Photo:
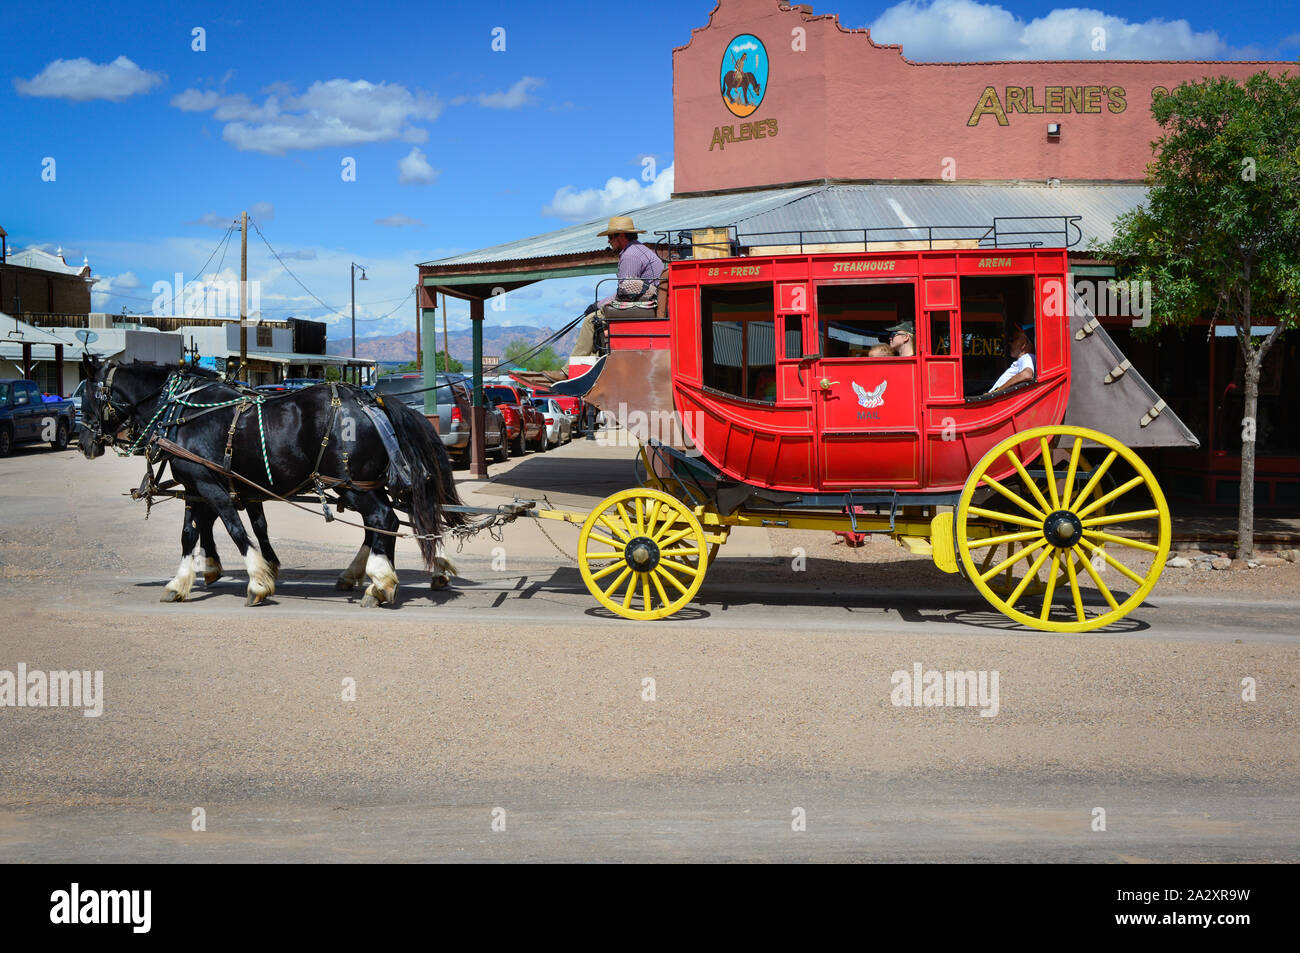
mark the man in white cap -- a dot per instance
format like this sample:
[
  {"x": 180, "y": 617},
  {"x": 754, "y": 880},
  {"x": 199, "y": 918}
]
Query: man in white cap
[{"x": 639, "y": 270}]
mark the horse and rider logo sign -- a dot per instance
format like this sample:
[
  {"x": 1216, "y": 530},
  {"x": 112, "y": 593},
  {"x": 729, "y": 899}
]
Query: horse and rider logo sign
[{"x": 743, "y": 78}]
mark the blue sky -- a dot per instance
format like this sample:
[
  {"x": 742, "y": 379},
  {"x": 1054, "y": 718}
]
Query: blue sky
[{"x": 156, "y": 146}]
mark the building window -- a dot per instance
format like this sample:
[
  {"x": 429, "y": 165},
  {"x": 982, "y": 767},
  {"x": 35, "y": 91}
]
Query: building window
[
  {"x": 263, "y": 336},
  {"x": 739, "y": 340}
]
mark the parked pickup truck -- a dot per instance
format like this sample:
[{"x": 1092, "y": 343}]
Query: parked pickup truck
[{"x": 27, "y": 417}]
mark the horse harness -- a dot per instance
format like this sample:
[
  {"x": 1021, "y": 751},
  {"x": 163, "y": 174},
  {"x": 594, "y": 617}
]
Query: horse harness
[{"x": 170, "y": 416}]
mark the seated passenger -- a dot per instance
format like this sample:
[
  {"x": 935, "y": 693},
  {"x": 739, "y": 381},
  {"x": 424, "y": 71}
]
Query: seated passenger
[
  {"x": 902, "y": 337},
  {"x": 1020, "y": 348},
  {"x": 880, "y": 350}
]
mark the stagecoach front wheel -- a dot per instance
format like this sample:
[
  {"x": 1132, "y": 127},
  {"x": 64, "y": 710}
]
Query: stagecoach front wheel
[
  {"x": 1080, "y": 555},
  {"x": 642, "y": 553}
]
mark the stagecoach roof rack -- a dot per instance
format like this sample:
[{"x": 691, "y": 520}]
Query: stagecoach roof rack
[{"x": 1005, "y": 231}]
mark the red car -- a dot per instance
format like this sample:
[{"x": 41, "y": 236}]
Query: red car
[
  {"x": 525, "y": 424},
  {"x": 575, "y": 407}
]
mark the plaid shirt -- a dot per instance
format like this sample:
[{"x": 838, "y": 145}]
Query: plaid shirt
[{"x": 639, "y": 269}]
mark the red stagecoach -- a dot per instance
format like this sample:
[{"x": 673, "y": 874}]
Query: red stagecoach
[{"x": 769, "y": 353}]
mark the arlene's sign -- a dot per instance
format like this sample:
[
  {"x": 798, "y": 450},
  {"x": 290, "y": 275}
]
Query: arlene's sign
[
  {"x": 1053, "y": 100},
  {"x": 742, "y": 82}
]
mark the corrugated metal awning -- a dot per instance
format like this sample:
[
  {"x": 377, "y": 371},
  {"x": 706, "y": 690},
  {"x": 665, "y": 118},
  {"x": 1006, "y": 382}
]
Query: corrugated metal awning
[{"x": 789, "y": 211}]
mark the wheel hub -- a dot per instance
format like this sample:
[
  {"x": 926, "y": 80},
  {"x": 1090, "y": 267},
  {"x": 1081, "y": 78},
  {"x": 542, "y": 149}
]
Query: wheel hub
[
  {"x": 1062, "y": 529},
  {"x": 641, "y": 554}
]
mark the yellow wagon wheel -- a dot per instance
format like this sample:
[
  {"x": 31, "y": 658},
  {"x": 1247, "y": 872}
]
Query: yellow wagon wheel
[
  {"x": 1065, "y": 528},
  {"x": 642, "y": 554}
]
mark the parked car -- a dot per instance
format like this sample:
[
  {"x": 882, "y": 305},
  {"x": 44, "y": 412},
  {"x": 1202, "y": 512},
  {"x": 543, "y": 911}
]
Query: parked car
[
  {"x": 76, "y": 401},
  {"x": 298, "y": 383},
  {"x": 559, "y": 425},
  {"x": 524, "y": 422},
  {"x": 455, "y": 412},
  {"x": 27, "y": 417},
  {"x": 575, "y": 407},
  {"x": 271, "y": 389}
]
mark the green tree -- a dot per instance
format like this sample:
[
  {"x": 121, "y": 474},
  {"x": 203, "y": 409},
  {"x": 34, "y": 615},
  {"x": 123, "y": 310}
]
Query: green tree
[
  {"x": 445, "y": 362},
  {"x": 519, "y": 351},
  {"x": 1219, "y": 234}
]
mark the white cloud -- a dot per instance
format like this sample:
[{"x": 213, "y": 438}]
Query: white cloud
[
  {"x": 306, "y": 254},
  {"x": 512, "y": 98},
  {"x": 414, "y": 169},
  {"x": 963, "y": 30},
  {"x": 262, "y": 211},
  {"x": 618, "y": 195},
  {"x": 398, "y": 220},
  {"x": 336, "y": 112},
  {"x": 80, "y": 80},
  {"x": 109, "y": 285}
]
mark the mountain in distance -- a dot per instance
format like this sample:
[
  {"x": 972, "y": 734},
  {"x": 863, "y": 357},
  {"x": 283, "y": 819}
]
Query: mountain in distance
[{"x": 400, "y": 348}]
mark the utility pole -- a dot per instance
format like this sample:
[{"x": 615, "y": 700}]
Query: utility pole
[{"x": 243, "y": 296}]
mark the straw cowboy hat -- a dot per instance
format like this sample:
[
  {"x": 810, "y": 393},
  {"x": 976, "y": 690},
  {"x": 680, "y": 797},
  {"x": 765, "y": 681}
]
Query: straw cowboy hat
[{"x": 620, "y": 225}]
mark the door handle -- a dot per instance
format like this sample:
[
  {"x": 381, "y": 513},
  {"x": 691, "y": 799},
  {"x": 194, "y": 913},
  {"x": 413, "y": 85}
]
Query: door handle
[{"x": 825, "y": 383}]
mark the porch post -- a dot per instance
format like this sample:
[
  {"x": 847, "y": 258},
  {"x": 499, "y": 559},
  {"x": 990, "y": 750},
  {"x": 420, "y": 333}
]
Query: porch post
[{"x": 480, "y": 415}]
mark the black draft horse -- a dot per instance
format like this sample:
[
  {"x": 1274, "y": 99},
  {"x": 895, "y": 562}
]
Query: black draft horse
[{"x": 302, "y": 439}]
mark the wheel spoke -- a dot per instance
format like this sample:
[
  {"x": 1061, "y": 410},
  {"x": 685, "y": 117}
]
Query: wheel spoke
[
  {"x": 680, "y": 567},
  {"x": 692, "y": 551},
  {"x": 627, "y": 521},
  {"x": 652, "y": 518},
  {"x": 1007, "y": 563},
  {"x": 1074, "y": 586},
  {"x": 673, "y": 537},
  {"x": 1007, "y": 538},
  {"x": 645, "y": 590},
  {"x": 1028, "y": 480},
  {"x": 1032, "y": 574},
  {"x": 609, "y": 593},
  {"x": 1120, "y": 540},
  {"x": 1005, "y": 517},
  {"x": 1122, "y": 518},
  {"x": 618, "y": 547},
  {"x": 659, "y": 586},
  {"x": 673, "y": 579},
  {"x": 1114, "y": 562},
  {"x": 1013, "y": 497},
  {"x": 1118, "y": 491},
  {"x": 1097, "y": 474},
  {"x": 1051, "y": 585},
  {"x": 608, "y": 570},
  {"x": 631, "y": 591},
  {"x": 614, "y": 528},
  {"x": 640, "y": 517},
  {"x": 1051, "y": 474},
  {"x": 618, "y": 555},
  {"x": 1101, "y": 586},
  {"x": 1068, "y": 489}
]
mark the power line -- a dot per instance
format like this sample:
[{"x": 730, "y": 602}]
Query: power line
[
  {"x": 394, "y": 311},
  {"x": 327, "y": 307}
]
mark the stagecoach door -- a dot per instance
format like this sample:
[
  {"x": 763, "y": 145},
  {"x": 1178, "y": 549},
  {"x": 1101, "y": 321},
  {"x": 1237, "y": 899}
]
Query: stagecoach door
[{"x": 867, "y": 401}]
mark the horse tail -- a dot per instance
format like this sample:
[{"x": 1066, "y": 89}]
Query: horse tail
[{"x": 433, "y": 485}]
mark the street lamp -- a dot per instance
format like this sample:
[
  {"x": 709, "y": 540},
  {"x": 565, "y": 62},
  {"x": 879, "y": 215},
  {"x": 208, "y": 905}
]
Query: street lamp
[{"x": 355, "y": 266}]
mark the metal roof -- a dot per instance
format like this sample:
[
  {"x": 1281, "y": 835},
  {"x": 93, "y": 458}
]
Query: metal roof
[
  {"x": 851, "y": 206},
  {"x": 688, "y": 212}
]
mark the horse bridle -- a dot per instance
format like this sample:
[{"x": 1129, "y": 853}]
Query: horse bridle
[{"x": 108, "y": 411}]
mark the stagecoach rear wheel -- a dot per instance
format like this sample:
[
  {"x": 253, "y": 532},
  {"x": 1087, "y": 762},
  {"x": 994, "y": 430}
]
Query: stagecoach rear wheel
[
  {"x": 1067, "y": 528},
  {"x": 642, "y": 554}
]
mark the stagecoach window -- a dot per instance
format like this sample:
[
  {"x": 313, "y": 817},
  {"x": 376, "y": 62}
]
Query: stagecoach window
[
  {"x": 794, "y": 335},
  {"x": 856, "y": 318},
  {"x": 940, "y": 333},
  {"x": 739, "y": 340},
  {"x": 990, "y": 308}
]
